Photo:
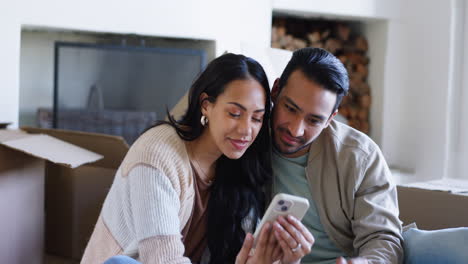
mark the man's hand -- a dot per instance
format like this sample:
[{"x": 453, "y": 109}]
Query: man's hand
[
  {"x": 341, "y": 260},
  {"x": 294, "y": 238},
  {"x": 266, "y": 251}
]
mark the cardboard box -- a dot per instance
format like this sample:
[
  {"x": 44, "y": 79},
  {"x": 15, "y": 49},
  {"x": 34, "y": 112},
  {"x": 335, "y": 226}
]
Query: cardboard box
[
  {"x": 74, "y": 196},
  {"x": 22, "y": 168},
  {"x": 431, "y": 209}
]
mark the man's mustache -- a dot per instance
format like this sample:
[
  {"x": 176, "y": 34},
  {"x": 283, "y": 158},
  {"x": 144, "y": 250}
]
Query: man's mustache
[{"x": 298, "y": 139}]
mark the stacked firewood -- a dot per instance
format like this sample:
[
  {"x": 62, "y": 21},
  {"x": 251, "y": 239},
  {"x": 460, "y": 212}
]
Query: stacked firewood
[{"x": 350, "y": 47}]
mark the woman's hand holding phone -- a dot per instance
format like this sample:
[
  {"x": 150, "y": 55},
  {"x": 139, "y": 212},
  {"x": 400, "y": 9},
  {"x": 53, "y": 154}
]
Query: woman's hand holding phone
[
  {"x": 277, "y": 241},
  {"x": 280, "y": 235},
  {"x": 267, "y": 250}
]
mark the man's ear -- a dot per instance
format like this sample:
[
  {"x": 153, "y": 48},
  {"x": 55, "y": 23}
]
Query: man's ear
[
  {"x": 275, "y": 90},
  {"x": 331, "y": 118}
]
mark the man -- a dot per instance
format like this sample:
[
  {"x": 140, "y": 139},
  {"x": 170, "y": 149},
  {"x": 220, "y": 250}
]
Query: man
[{"x": 341, "y": 171}]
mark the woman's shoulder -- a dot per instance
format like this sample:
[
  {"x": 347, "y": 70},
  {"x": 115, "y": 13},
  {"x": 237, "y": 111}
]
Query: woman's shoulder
[
  {"x": 160, "y": 147},
  {"x": 160, "y": 133},
  {"x": 161, "y": 138}
]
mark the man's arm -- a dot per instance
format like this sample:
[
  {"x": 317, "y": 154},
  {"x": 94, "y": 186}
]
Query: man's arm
[{"x": 375, "y": 222}]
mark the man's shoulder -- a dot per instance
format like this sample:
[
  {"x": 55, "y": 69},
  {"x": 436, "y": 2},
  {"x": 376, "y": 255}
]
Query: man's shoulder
[{"x": 346, "y": 138}]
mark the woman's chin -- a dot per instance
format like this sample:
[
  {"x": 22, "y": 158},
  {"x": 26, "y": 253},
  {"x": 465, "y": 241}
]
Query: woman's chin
[{"x": 234, "y": 154}]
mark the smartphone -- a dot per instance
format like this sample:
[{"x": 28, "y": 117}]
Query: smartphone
[{"x": 283, "y": 204}]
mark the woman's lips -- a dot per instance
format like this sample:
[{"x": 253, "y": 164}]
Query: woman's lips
[{"x": 239, "y": 144}]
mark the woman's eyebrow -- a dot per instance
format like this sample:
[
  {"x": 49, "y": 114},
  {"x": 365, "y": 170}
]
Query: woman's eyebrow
[{"x": 244, "y": 108}]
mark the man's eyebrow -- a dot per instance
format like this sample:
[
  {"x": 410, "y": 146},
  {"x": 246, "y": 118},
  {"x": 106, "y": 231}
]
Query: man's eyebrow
[
  {"x": 244, "y": 108},
  {"x": 320, "y": 117},
  {"x": 290, "y": 101}
]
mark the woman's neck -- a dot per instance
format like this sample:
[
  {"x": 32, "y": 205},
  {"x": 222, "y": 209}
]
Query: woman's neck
[{"x": 203, "y": 154}]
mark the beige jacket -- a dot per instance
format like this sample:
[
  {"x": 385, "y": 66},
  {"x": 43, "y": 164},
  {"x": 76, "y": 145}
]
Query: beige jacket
[{"x": 355, "y": 196}]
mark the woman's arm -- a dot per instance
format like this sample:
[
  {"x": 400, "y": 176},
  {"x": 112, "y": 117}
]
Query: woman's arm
[{"x": 154, "y": 206}]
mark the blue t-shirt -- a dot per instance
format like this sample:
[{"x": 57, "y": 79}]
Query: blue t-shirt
[{"x": 290, "y": 177}]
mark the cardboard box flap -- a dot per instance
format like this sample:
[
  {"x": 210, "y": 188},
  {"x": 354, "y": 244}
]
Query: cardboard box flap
[
  {"x": 113, "y": 148},
  {"x": 49, "y": 148},
  {"x": 6, "y": 135}
]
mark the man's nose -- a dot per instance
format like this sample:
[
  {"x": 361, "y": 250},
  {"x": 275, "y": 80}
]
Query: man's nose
[{"x": 296, "y": 128}]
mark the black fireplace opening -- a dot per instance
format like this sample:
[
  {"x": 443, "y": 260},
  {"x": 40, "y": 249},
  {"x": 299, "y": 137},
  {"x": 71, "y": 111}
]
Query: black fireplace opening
[{"x": 118, "y": 89}]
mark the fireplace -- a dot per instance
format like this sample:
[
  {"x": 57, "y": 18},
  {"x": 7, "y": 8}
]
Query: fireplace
[{"x": 108, "y": 83}]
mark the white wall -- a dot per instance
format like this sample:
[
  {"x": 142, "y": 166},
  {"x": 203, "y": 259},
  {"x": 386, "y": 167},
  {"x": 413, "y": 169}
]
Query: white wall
[
  {"x": 394, "y": 107},
  {"x": 463, "y": 144},
  {"x": 9, "y": 63},
  {"x": 417, "y": 88},
  {"x": 376, "y": 33},
  {"x": 458, "y": 165},
  {"x": 226, "y": 22},
  {"x": 368, "y": 9}
]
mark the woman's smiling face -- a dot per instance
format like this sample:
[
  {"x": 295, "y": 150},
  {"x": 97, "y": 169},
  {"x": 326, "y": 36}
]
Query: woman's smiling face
[{"x": 236, "y": 117}]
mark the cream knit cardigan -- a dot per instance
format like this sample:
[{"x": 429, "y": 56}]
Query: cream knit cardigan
[{"x": 149, "y": 203}]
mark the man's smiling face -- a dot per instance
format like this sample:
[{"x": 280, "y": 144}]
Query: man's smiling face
[{"x": 302, "y": 110}]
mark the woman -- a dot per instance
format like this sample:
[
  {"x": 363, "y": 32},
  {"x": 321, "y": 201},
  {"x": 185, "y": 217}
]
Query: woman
[{"x": 208, "y": 169}]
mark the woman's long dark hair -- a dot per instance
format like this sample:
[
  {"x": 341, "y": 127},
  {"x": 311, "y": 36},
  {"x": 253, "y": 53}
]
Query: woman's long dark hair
[{"x": 238, "y": 194}]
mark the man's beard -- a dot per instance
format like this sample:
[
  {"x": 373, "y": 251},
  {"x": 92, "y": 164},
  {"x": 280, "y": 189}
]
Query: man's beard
[{"x": 278, "y": 148}]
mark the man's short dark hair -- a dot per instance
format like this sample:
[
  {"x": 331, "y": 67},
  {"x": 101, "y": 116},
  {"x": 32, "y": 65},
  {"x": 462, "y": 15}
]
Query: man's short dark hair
[{"x": 322, "y": 67}]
